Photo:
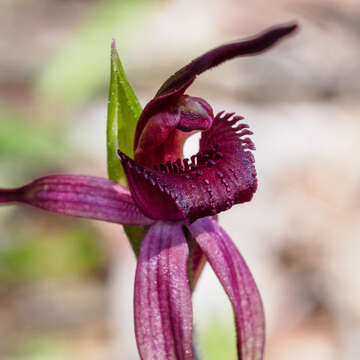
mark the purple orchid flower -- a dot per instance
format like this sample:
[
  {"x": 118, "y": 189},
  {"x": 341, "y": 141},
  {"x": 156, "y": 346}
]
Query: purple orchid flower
[{"x": 177, "y": 198}]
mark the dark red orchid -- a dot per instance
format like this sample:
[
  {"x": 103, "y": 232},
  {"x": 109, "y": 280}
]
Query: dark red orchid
[{"x": 177, "y": 198}]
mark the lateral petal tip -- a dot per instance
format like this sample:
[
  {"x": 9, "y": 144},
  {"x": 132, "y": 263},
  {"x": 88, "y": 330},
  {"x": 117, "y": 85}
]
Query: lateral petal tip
[
  {"x": 8, "y": 196},
  {"x": 238, "y": 283}
]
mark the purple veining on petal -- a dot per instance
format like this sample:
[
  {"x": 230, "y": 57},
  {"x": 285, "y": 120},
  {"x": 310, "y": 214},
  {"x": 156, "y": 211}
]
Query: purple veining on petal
[
  {"x": 81, "y": 196},
  {"x": 162, "y": 301},
  {"x": 239, "y": 285},
  {"x": 220, "y": 175}
]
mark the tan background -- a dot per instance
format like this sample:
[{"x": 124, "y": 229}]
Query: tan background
[{"x": 66, "y": 284}]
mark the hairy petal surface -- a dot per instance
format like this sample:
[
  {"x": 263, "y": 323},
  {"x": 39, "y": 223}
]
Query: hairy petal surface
[
  {"x": 239, "y": 285},
  {"x": 81, "y": 196},
  {"x": 162, "y": 302},
  {"x": 220, "y": 175}
]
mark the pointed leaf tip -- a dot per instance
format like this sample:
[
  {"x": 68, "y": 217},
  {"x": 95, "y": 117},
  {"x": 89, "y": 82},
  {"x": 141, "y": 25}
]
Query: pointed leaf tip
[{"x": 123, "y": 113}]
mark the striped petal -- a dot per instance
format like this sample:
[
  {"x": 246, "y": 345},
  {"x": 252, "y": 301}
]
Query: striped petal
[
  {"x": 81, "y": 196},
  {"x": 162, "y": 303},
  {"x": 239, "y": 285}
]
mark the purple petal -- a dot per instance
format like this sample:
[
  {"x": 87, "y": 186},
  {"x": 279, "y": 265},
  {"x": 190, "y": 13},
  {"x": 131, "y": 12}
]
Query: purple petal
[
  {"x": 81, "y": 196},
  {"x": 177, "y": 84},
  {"x": 162, "y": 303},
  {"x": 215, "y": 57},
  {"x": 220, "y": 175},
  {"x": 239, "y": 285}
]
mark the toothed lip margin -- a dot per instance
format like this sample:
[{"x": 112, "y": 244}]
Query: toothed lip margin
[{"x": 235, "y": 176}]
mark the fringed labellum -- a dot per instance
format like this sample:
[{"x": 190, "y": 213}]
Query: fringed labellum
[{"x": 182, "y": 195}]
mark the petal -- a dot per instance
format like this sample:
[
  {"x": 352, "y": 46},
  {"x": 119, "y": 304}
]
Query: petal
[
  {"x": 215, "y": 57},
  {"x": 81, "y": 196},
  {"x": 162, "y": 303},
  {"x": 177, "y": 84},
  {"x": 220, "y": 175},
  {"x": 239, "y": 285}
]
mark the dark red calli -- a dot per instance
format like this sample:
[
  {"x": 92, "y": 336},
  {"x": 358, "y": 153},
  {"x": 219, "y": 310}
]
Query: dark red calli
[
  {"x": 166, "y": 186},
  {"x": 176, "y": 192},
  {"x": 220, "y": 175}
]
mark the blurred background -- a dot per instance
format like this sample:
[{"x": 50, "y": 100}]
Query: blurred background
[{"x": 66, "y": 284}]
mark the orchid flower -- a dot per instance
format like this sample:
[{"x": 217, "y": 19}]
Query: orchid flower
[{"x": 176, "y": 199}]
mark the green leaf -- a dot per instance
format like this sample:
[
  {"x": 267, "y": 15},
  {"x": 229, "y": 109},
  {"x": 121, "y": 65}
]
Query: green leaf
[{"x": 123, "y": 113}]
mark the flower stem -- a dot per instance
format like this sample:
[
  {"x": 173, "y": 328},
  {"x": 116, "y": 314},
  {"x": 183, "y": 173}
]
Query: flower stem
[{"x": 195, "y": 345}]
